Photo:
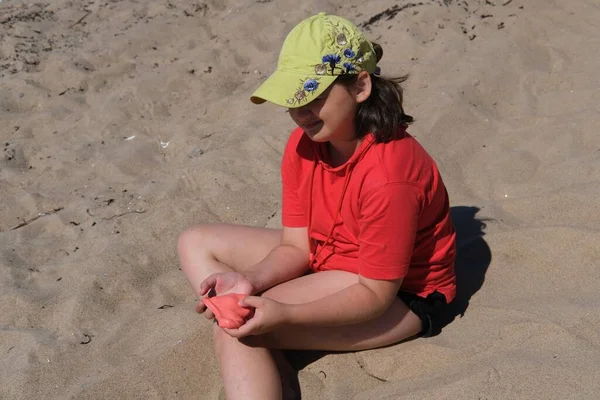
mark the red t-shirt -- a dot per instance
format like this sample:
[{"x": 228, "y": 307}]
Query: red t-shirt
[{"x": 394, "y": 220}]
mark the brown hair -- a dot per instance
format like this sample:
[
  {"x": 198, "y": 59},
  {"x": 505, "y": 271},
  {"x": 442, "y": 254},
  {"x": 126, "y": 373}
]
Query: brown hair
[{"x": 382, "y": 112}]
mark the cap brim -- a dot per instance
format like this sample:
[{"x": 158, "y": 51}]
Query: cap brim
[{"x": 287, "y": 89}]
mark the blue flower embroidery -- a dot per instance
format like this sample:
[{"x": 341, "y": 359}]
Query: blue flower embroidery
[
  {"x": 349, "y": 67},
  {"x": 306, "y": 87},
  {"x": 332, "y": 59},
  {"x": 349, "y": 53},
  {"x": 311, "y": 85}
]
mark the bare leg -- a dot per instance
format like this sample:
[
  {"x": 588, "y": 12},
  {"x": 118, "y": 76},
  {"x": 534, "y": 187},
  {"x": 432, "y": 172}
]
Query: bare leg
[
  {"x": 211, "y": 248},
  {"x": 248, "y": 369},
  {"x": 247, "y": 372}
]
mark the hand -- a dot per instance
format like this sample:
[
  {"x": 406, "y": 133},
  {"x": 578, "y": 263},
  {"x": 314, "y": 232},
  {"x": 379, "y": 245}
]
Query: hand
[
  {"x": 268, "y": 316},
  {"x": 223, "y": 283}
]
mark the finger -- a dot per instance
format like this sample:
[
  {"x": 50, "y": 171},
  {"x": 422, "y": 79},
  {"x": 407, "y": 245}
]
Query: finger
[
  {"x": 236, "y": 333},
  {"x": 200, "y": 307},
  {"x": 252, "y": 301},
  {"x": 249, "y": 328},
  {"x": 231, "y": 332},
  {"x": 208, "y": 314},
  {"x": 208, "y": 284}
]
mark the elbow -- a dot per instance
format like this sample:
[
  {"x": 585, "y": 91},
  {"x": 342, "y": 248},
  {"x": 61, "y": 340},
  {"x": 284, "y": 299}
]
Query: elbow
[
  {"x": 381, "y": 294},
  {"x": 382, "y": 306},
  {"x": 377, "y": 303}
]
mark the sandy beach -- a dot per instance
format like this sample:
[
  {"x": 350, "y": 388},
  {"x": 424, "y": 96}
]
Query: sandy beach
[{"x": 125, "y": 122}]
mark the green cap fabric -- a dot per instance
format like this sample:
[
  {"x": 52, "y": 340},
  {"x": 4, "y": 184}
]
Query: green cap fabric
[{"x": 313, "y": 55}]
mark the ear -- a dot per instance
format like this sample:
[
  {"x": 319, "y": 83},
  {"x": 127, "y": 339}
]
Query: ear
[{"x": 363, "y": 86}]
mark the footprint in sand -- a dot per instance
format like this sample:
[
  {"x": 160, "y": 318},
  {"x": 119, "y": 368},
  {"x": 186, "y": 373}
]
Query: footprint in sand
[
  {"x": 13, "y": 157},
  {"x": 516, "y": 166}
]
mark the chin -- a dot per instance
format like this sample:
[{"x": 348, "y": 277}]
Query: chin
[
  {"x": 316, "y": 138},
  {"x": 319, "y": 136}
]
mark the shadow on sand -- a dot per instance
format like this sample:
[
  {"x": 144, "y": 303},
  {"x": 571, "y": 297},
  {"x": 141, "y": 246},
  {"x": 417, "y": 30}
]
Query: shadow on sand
[{"x": 473, "y": 257}]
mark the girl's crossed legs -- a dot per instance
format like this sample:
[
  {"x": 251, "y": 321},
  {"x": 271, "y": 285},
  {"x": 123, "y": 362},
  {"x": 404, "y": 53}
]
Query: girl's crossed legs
[{"x": 247, "y": 367}]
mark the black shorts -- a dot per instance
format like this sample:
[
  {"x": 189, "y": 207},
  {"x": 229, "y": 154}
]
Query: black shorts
[{"x": 427, "y": 309}]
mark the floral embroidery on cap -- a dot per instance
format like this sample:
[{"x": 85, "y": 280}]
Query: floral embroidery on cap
[
  {"x": 321, "y": 69},
  {"x": 307, "y": 87},
  {"x": 341, "y": 39},
  {"x": 332, "y": 60},
  {"x": 349, "y": 67},
  {"x": 344, "y": 49},
  {"x": 343, "y": 55},
  {"x": 311, "y": 85}
]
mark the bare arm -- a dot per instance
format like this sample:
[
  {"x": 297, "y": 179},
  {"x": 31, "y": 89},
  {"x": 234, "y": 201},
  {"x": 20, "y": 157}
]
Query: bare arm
[
  {"x": 287, "y": 261},
  {"x": 363, "y": 301}
]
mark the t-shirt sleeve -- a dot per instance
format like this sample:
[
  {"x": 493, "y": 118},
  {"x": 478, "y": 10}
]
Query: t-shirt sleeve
[
  {"x": 292, "y": 212},
  {"x": 388, "y": 223}
]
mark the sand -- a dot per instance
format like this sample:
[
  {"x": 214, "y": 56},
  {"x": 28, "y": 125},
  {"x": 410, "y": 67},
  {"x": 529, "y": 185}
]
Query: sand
[{"x": 124, "y": 122}]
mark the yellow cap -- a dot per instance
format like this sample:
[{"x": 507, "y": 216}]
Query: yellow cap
[{"x": 313, "y": 55}]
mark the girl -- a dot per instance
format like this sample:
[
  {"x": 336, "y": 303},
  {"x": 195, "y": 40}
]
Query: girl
[{"x": 366, "y": 255}]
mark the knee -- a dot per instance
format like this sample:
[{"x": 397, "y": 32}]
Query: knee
[
  {"x": 222, "y": 339},
  {"x": 193, "y": 242},
  {"x": 192, "y": 238}
]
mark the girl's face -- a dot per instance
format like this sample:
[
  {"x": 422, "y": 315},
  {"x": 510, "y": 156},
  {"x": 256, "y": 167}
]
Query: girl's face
[{"x": 330, "y": 117}]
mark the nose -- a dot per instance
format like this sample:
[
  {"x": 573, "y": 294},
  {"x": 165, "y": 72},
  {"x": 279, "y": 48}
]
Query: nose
[{"x": 300, "y": 113}]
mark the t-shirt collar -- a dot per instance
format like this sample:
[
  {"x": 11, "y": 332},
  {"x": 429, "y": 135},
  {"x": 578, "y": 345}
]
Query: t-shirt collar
[{"x": 323, "y": 158}]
